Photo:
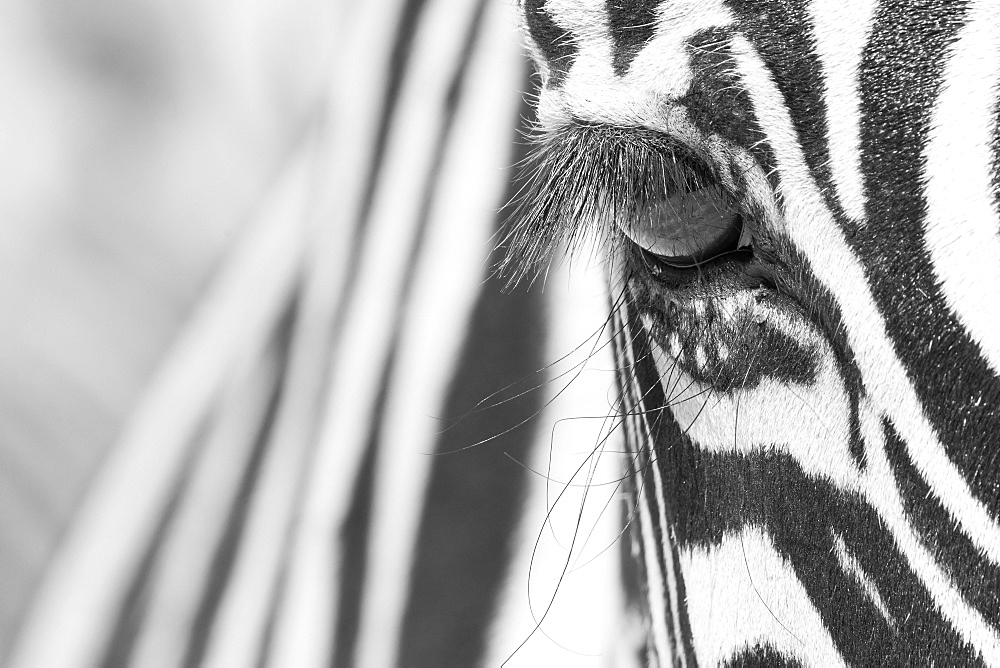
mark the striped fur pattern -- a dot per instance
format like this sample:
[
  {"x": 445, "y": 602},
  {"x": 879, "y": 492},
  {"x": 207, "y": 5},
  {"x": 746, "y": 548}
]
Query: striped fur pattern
[{"x": 814, "y": 424}]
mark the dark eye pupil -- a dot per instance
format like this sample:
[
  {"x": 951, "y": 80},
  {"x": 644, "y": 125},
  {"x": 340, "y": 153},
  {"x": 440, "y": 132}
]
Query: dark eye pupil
[{"x": 688, "y": 229}]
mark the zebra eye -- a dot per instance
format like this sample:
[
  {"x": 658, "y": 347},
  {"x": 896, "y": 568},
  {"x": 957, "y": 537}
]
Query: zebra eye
[{"x": 688, "y": 229}]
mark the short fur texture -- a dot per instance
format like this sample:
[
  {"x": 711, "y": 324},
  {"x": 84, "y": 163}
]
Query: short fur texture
[{"x": 814, "y": 421}]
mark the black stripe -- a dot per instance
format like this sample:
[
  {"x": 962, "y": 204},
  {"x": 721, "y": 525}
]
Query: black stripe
[
  {"x": 640, "y": 484},
  {"x": 230, "y": 542},
  {"x": 718, "y": 104},
  {"x": 633, "y": 576},
  {"x": 995, "y": 146},
  {"x": 355, "y": 532},
  {"x": 631, "y": 550},
  {"x": 762, "y": 656},
  {"x": 398, "y": 60},
  {"x": 672, "y": 466},
  {"x": 977, "y": 578},
  {"x": 900, "y": 78},
  {"x": 266, "y": 641},
  {"x": 755, "y": 351},
  {"x": 474, "y": 497},
  {"x": 781, "y": 33},
  {"x": 641, "y": 433},
  {"x": 558, "y": 46},
  {"x": 631, "y": 24},
  {"x": 133, "y": 608}
]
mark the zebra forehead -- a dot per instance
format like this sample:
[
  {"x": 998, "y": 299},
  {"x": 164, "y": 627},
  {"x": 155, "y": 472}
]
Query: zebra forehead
[{"x": 615, "y": 61}]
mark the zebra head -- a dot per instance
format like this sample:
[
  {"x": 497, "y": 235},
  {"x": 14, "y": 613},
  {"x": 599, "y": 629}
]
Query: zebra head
[{"x": 798, "y": 202}]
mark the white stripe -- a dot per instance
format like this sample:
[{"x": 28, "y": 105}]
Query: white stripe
[
  {"x": 743, "y": 593},
  {"x": 961, "y": 229},
  {"x": 814, "y": 231},
  {"x": 182, "y": 572},
  {"x": 852, "y": 567},
  {"x": 841, "y": 30},
  {"x": 809, "y": 422}
]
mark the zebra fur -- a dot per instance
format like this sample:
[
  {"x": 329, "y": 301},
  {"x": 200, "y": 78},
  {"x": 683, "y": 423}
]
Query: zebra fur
[{"x": 819, "y": 422}]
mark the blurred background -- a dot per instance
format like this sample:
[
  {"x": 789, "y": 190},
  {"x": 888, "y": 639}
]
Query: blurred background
[
  {"x": 136, "y": 140},
  {"x": 208, "y": 313}
]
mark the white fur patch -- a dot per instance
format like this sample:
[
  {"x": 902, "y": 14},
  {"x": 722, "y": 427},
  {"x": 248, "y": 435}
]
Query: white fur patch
[
  {"x": 661, "y": 72},
  {"x": 841, "y": 31},
  {"x": 852, "y": 567},
  {"x": 809, "y": 422},
  {"x": 961, "y": 230},
  {"x": 743, "y": 593}
]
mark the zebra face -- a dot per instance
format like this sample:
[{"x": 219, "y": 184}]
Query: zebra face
[{"x": 799, "y": 206}]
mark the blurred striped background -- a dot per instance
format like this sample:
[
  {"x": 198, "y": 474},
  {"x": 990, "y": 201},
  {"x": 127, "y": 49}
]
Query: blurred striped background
[
  {"x": 136, "y": 141},
  {"x": 226, "y": 357}
]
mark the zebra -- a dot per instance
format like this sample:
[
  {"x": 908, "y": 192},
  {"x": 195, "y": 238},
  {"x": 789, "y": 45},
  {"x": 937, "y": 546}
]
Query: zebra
[
  {"x": 805, "y": 364},
  {"x": 799, "y": 204}
]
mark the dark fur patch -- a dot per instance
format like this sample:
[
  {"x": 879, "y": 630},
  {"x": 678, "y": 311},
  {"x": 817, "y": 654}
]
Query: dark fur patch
[
  {"x": 558, "y": 46},
  {"x": 472, "y": 503},
  {"x": 736, "y": 350},
  {"x": 761, "y": 656},
  {"x": 717, "y": 103},
  {"x": 995, "y": 146},
  {"x": 631, "y": 24}
]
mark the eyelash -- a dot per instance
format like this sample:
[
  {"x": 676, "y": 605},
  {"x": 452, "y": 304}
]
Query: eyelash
[{"x": 581, "y": 182}]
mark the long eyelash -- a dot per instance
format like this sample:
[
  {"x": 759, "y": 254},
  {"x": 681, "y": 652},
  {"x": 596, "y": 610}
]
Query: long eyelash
[{"x": 579, "y": 180}]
